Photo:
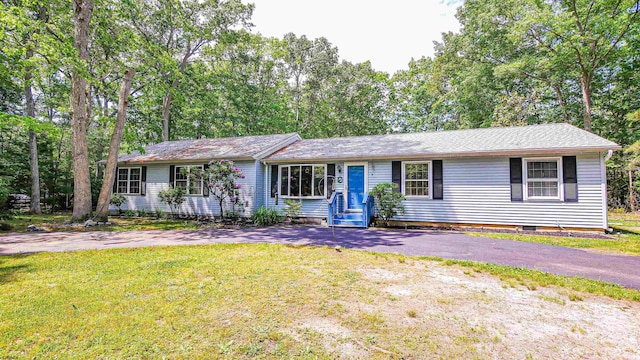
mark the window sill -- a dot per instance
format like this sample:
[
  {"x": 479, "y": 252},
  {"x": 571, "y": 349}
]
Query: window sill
[
  {"x": 125, "y": 194},
  {"x": 540, "y": 200},
  {"x": 418, "y": 197}
]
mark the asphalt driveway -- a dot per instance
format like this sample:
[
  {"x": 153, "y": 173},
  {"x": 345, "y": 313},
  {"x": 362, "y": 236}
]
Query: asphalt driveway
[{"x": 623, "y": 270}]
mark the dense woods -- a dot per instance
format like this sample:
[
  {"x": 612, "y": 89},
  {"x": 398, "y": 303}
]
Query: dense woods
[{"x": 200, "y": 70}]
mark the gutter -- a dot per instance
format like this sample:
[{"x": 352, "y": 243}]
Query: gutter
[
  {"x": 549, "y": 151},
  {"x": 609, "y": 155}
]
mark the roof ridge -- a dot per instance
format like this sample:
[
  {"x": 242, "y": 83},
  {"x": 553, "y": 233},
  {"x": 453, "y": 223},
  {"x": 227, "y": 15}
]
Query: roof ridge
[{"x": 451, "y": 130}]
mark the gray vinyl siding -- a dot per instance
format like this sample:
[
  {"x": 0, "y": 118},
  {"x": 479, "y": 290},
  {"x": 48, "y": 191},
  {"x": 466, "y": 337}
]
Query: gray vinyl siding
[
  {"x": 315, "y": 208},
  {"x": 477, "y": 191},
  {"x": 158, "y": 179},
  {"x": 259, "y": 193}
]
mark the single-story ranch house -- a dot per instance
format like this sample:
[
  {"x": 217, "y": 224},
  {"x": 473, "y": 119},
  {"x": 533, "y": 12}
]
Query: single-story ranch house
[{"x": 530, "y": 177}]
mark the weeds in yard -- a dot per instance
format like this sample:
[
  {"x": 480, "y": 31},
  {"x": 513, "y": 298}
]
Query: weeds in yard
[{"x": 246, "y": 301}]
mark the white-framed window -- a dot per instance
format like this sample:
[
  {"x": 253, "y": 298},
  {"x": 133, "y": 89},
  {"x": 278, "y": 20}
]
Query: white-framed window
[
  {"x": 129, "y": 180},
  {"x": 542, "y": 178},
  {"x": 303, "y": 181},
  {"x": 416, "y": 179},
  {"x": 190, "y": 185}
]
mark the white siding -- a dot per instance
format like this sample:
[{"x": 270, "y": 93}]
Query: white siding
[
  {"x": 259, "y": 193},
  {"x": 158, "y": 179},
  {"x": 477, "y": 190},
  {"x": 317, "y": 208}
]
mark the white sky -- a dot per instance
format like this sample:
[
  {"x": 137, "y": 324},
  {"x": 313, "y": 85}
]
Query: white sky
[{"x": 387, "y": 33}]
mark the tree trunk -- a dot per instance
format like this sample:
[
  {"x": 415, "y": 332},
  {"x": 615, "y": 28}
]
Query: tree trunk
[
  {"x": 585, "y": 84},
  {"x": 562, "y": 104},
  {"x": 83, "y": 9},
  {"x": 166, "y": 109},
  {"x": 33, "y": 141},
  {"x": 102, "y": 210}
]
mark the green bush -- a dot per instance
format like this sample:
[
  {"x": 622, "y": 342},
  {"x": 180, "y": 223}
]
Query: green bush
[
  {"x": 293, "y": 208},
  {"x": 130, "y": 213},
  {"x": 264, "y": 216},
  {"x": 159, "y": 213},
  {"x": 4, "y": 191},
  {"x": 5, "y": 226},
  {"x": 174, "y": 197},
  {"x": 143, "y": 213},
  {"x": 117, "y": 200},
  {"x": 388, "y": 201}
]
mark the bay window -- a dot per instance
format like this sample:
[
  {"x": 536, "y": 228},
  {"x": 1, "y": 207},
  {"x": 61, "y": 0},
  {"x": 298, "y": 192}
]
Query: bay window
[{"x": 303, "y": 181}]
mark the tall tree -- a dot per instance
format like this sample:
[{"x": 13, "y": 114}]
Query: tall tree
[
  {"x": 82, "y": 11},
  {"x": 176, "y": 31},
  {"x": 31, "y": 111},
  {"x": 102, "y": 209},
  {"x": 581, "y": 36}
]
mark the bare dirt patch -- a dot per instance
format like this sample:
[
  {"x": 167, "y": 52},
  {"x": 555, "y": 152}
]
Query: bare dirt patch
[{"x": 474, "y": 314}]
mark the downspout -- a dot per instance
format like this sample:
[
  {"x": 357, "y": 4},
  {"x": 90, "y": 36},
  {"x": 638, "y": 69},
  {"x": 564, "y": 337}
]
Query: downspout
[
  {"x": 603, "y": 180},
  {"x": 266, "y": 184},
  {"x": 608, "y": 156}
]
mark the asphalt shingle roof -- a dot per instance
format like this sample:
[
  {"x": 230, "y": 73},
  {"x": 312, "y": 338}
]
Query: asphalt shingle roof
[
  {"x": 520, "y": 139},
  {"x": 234, "y": 148}
]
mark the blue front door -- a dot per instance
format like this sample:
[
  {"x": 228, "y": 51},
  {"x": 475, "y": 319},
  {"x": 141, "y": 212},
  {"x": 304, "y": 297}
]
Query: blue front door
[{"x": 355, "y": 187}]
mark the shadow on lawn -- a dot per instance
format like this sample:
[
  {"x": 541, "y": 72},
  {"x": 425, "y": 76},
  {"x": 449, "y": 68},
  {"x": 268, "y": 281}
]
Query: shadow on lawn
[{"x": 8, "y": 272}]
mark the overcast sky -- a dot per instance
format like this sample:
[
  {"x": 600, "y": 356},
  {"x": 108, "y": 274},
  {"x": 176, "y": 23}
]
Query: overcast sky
[{"x": 387, "y": 33}]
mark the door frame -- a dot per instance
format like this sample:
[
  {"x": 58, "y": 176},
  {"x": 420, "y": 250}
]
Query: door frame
[{"x": 346, "y": 181}]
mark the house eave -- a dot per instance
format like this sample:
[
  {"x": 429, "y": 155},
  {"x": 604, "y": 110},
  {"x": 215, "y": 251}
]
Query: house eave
[
  {"x": 181, "y": 161},
  {"x": 546, "y": 151}
]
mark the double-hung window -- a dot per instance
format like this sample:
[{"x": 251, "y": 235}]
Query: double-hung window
[
  {"x": 303, "y": 181},
  {"x": 416, "y": 178},
  {"x": 542, "y": 178},
  {"x": 189, "y": 184},
  {"x": 129, "y": 180}
]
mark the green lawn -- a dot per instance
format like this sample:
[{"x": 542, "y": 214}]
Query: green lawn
[
  {"x": 56, "y": 222},
  {"x": 262, "y": 300},
  {"x": 625, "y": 221},
  {"x": 628, "y": 244}
]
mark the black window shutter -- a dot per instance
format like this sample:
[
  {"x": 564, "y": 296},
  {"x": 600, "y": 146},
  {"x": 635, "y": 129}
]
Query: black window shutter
[
  {"x": 205, "y": 182},
  {"x": 437, "y": 180},
  {"x": 115, "y": 182},
  {"x": 331, "y": 178},
  {"x": 274, "y": 180},
  {"x": 396, "y": 174},
  {"x": 570, "y": 178},
  {"x": 143, "y": 181},
  {"x": 172, "y": 174},
  {"x": 515, "y": 165}
]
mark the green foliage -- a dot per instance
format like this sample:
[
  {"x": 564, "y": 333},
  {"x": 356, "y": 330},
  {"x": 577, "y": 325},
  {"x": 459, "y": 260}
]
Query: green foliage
[
  {"x": 4, "y": 191},
  {"x": 512, "y": 63},
  {"x": 264, "y": 216},
  {"x": 117, "y": 200},
  {"x": 388, "y": 201},
  {"x": 173, "y": 197},
  {"x": 159, "y": 214},
  {"x": 222, "y": 183},
  {"x": 292, "y": 208}
]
